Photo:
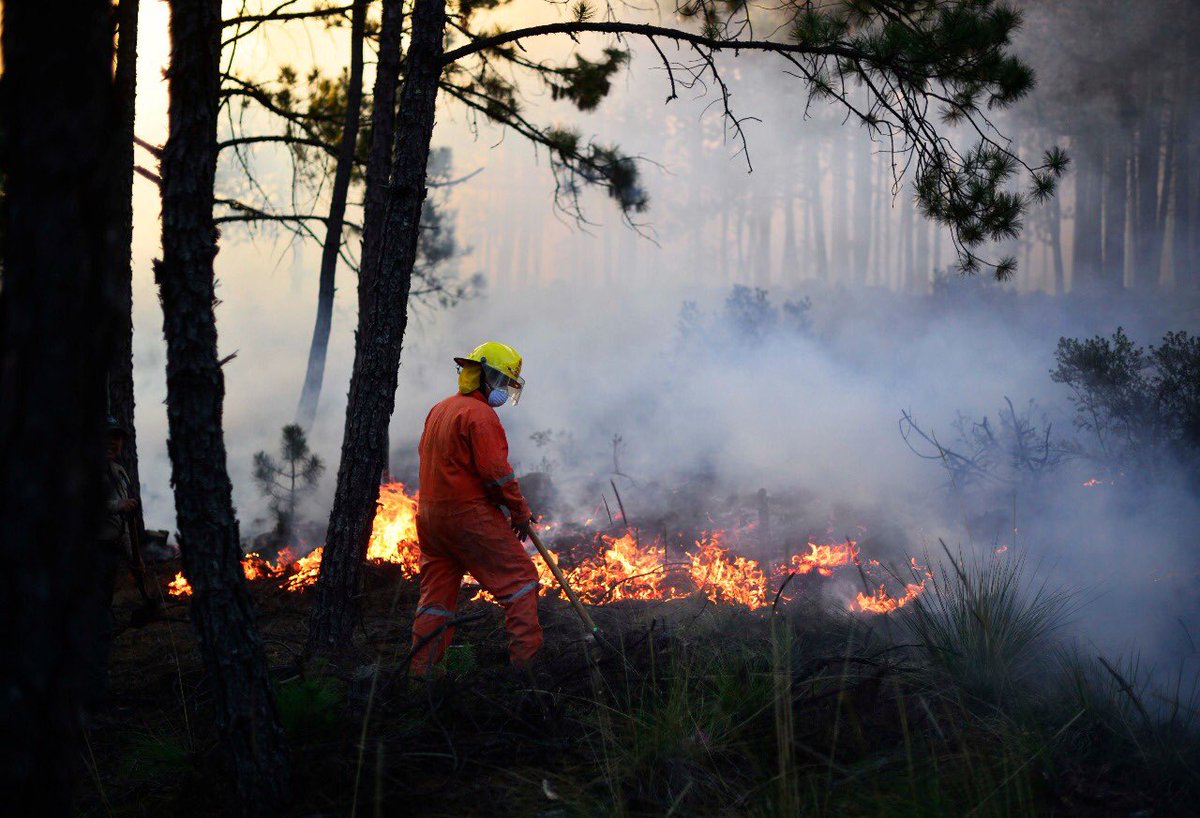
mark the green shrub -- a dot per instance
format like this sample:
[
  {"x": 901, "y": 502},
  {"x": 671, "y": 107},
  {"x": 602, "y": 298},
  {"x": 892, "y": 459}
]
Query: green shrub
[{"x": 1141, "y": 406}]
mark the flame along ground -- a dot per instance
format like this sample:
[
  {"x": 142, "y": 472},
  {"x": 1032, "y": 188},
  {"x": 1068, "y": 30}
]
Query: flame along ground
[{"x": 626, "y": 568}]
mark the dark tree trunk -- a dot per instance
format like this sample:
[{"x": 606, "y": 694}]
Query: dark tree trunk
[
  {"x": 58, "y": 316},
  {"x": 310, "y": 394},
  {"x": 377, "y": 346},
  {"x": 379, "y": 162},
  {"x": 221, "y": 610},
  {"x": 120, "y": 376}
]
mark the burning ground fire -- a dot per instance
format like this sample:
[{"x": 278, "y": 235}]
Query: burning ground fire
[{"x": 625, "y": 567}]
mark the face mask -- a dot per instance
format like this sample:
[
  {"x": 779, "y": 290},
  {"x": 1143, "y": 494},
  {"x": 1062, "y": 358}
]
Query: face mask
[{"x": 497, "y": 397}]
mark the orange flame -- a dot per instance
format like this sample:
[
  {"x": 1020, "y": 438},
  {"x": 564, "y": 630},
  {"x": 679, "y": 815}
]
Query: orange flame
[
  {"x": 304, "y": 570},
  {"x": 394, "y": 531},
  {"x": 625, "y": 570},
  {"x": 393, "y": 540},
  {"x": 625, "y": 567},
  {"x": 822, "y": 558},
  {"x": 882, "y": 602},
  {"x": 179, "y": 586}
]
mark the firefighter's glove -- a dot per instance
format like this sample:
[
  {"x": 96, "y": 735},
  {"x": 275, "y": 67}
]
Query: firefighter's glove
[{"x": 522, "y": 528}]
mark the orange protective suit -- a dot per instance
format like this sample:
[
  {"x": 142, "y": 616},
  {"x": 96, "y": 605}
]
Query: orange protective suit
[{"x": 465, "y": 476}]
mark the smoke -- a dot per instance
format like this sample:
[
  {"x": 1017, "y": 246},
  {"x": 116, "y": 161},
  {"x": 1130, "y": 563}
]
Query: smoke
[{"x": 811, "y": 417}]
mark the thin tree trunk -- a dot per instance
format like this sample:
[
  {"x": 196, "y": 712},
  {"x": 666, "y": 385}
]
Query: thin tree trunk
[
  {"x": 906, "y": 242},
  {"x": 310, "y": 394},
  {"x": 764, "y": 213},
  {"x": 377, "y": 348},
  {"x": 739, "y": 245},
  {"x": 863, "y": 215},
  {"x": 921, "y": 268},
  {"x": 816, "y": 213},
  {"x": 723, "y": 238},
  {"x": 1183, "y": 261},
  {"x": 1086, "y": 264},
  {"x": 885, "y": 259},
  {"x": 791, "y": 256},
  {"x": 1147, "y": 230},
  {"x": 221, "y": 609},
  {"x": 840, "y": 183},
  {"x": 1116, "y": 194},
  {"x": 120, "y": 376},
  {"x": 1054, "y": 214},
  {"x": 58, "y": 316}
]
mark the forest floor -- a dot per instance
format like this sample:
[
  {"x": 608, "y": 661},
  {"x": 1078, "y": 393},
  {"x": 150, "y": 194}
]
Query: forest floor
[{"x": 696, "y": 708}]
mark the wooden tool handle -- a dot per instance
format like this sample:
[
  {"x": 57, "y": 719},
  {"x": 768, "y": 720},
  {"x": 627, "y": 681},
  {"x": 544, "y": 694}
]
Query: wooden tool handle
[{"x": 562, "y": 580}]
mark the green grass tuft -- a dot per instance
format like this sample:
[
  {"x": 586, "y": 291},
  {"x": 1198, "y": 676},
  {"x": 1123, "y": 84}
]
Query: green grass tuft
[{"x": 987, "y": 629}]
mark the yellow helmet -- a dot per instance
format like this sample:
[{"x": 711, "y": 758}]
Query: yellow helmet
[{"x": 498, "y": 363}]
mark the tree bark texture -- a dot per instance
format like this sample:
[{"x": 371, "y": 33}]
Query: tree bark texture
[
  {"x": 120, "y": 375},
  {"x": 378, "y": 344},
  {"x": 383, "y": 138},
  {"x": 310, "y": 394},
  {"x": 221, "y": 609},
  {"x": 58, "y": 313}
]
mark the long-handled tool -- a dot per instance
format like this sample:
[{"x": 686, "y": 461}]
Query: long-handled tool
[{"x": 593, "y": 630}]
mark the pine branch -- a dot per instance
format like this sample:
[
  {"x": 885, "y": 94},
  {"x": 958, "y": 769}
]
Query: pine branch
[{"x": 649, "y": 31}]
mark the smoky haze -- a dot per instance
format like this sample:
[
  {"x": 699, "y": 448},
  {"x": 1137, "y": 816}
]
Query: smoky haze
[{"x": 812, "y": 416}]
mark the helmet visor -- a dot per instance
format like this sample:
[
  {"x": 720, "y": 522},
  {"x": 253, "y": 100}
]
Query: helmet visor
[{"x": 502, "y": 380}]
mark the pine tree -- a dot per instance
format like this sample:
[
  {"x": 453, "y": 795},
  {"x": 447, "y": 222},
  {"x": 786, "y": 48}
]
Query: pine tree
[
  {"x": 284, "y": 481},
  {"x": 221, "y": 609}
]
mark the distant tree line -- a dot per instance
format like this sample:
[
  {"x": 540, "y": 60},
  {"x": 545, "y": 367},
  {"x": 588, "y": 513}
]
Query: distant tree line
[{"x": 1117, "y": 87}]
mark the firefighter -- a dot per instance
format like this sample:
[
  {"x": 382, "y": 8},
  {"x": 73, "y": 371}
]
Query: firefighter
[
  {"x": 465, "y": 479},
  {"x": 114, "y": 546},
  {"x": 115, "y": 534}
]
